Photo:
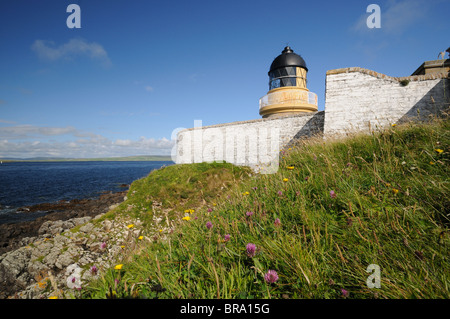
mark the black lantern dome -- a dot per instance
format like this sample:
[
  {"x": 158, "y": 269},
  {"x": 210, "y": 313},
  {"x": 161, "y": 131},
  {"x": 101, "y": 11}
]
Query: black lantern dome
[
  {"x": 287, "y": 69},
  {"x": 288, "y": 58}
]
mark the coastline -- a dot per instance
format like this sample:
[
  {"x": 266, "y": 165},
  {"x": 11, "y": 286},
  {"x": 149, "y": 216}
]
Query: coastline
[
  {"x": 145, "y": 158},
  {"x": 12, "y": 233},
  {"x": 54, "y": 255}
]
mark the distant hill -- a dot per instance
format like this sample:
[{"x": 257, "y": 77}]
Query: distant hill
[{"x": 63, "y": 159}]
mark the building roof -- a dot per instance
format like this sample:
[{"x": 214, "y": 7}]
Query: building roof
[
  {"x": 288, "y": 58},
  {"x": 434, "y": 66}
]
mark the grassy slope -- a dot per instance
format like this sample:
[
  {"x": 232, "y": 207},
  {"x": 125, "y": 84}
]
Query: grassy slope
[{"x": 390, "y": 209}]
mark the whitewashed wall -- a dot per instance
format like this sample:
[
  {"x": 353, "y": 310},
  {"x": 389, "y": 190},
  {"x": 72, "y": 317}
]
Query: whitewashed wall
[
  {"x": 253, "y": 143},
  {"x": 358, "y": 99}
]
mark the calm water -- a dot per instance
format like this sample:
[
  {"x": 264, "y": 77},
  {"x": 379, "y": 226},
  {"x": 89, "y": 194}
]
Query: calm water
[{"x": 29, "y": 183}]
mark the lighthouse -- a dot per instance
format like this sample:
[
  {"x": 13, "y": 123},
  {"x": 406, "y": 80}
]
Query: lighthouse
[{"x": 288, "y": 93}]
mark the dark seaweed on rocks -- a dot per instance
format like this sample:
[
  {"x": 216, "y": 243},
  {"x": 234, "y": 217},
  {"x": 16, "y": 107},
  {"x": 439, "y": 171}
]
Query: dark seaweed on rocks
[{"x": 11, "y": 234}]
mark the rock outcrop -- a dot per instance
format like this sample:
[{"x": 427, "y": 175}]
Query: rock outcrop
[
  {"x": 11, "y": 234},
  {"x": 65, "y": 255},
  {"x": 58, "y": 254}
]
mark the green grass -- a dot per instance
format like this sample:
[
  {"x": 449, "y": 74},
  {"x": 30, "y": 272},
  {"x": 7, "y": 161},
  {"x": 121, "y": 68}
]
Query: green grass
[
  {"x": 391, "y": 209},
  {"x": 176, "y": 188}
]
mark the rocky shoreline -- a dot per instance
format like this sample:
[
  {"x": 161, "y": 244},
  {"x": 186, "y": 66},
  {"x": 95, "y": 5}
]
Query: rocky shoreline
[
  {"x": 54, "y": 255},
  {"x": 11, "y": 234}
]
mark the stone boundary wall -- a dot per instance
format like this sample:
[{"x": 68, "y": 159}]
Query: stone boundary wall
[
  {"x": 430, "y": 76},
  {"x": 356, "y": 100},
  {"x": 362, "y": 100},
  {"x": 254, "y": 143}
]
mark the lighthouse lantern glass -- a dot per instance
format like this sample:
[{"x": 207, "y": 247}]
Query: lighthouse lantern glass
[{"x": 282, "y": 77}]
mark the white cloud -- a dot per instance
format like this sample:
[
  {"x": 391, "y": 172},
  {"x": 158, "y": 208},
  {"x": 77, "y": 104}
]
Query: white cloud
[
  {"x": 396, "y": 17},
  {"x": 122, "y": 142},
  {"x": 7, "y": 122},
  {"x": 148, "y": 88},
  {"x": 144, "y": 143},
  {"x": 402, "y": 15},
  {"x": 25, "y": 141},
  {"x": 28, "y": 131},
  {"x": 47, "y": 50}
]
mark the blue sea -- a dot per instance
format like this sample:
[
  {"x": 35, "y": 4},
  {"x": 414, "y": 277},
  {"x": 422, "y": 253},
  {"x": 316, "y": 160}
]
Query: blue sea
[{"x": 30, "y": 183}]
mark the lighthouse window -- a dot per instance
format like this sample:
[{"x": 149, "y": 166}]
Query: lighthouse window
[
  {"x": 288, "y": 82},
  {"x": 274, "y": 84},
  {"x": 287, "y": 71},
  {"x": 274, "y": 74},
  {"x": 291, "y": 70},
  {"x": 284, "y": 81},
  {"x": 281, "y": 77}
]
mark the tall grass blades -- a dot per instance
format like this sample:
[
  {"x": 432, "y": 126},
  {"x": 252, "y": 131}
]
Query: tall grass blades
[{"x": 308, "y": 231}]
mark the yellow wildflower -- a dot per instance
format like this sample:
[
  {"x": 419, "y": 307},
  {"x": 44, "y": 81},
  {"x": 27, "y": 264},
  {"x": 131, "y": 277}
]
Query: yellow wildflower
[
  {"x": 395, "y": 191},
  {"x": 122, "y": 246},
  {"x": 118, "y": 267},
  {"x": 432, "y": 163},
  {"x": 285, "y": 179},
  {"x": 439, "y": 150},
  {"x": 290, "y": 167},
  {"x": 53, "y": 297},
  {"x": 160, "y": 230},
  {"x": 289, "y": 149},
  {"x": 189, "y": 211},
  {"x": 246, "y": 193},
  {"x": 186, "y": 218},
  {"x": 130, "y": 226},
  {"x": 141, "y": 237},
  {"x": 388, "y": 184},
  {"x": 394, "y": 125}
]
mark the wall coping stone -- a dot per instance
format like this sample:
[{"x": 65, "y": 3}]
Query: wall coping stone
[
  {"x": 255, "y": 121},
  {"x": 425, "y": 77}
]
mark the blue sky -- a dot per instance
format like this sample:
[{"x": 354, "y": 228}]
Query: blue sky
[{"x": 138, "y": 70}]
